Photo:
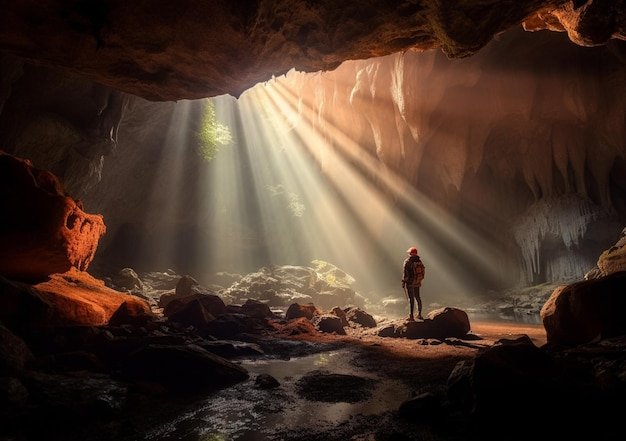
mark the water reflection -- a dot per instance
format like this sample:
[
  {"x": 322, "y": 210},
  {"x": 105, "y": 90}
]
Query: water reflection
[{"x": 247, "y": 412}]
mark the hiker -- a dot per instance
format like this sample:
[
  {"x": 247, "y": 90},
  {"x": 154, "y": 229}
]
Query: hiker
[{"x": 412, "y": 275}]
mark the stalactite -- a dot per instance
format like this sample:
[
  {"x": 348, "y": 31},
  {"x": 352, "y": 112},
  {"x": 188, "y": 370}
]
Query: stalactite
[{"x": 565, "y": 218}]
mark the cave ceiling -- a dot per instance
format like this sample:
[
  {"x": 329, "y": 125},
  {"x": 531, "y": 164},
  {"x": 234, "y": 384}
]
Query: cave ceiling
[{"x": 189, "y": 49}]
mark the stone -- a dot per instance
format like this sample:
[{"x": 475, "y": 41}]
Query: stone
[
  {"x": 450, "y": 322},
  {"x": 297, "y": 310},
  {"x": 360, "y": 317},
  {"x": 257, "y": 309},
  {"x": 131, "y": 313},
  {"x": 185, "y": 285},
  {"x": 128, "y": 279},
  {"x": 586, "y": 311},
  {"x": 517, "y": 378},
  {"x": 212, "y": 303},
  {"x": 42, "y": 230},
  {"x": 266, "y": 381},
  {"x": 182, "y": 369},
  {"x": 77, "y": 298},
  {"x": 296, "y": 326},
  {"x": 329, "y": 323}
]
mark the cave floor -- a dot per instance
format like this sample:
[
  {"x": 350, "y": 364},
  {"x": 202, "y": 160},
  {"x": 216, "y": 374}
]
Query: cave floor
[{"x": 335, "y": 388}]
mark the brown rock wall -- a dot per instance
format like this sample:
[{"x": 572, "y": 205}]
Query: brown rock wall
[{"x": 195, "y": 49}]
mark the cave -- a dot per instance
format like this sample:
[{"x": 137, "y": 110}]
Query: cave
[{"x": 181, "y": 180}]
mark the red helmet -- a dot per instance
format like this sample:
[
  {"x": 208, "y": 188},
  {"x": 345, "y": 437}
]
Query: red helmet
[{"x": 412, "y": 250}]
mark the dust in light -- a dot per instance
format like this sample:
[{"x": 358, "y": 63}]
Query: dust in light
[{"x": 285, "y": 192}]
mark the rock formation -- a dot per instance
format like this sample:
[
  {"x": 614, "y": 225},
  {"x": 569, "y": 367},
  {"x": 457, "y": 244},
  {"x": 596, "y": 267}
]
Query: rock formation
[
  {"x": 194, "y": 49},
  {"x": 42, "y": 230}
]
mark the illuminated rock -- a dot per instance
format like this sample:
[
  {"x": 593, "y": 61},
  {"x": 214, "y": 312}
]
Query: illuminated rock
[
  {"x": 77, "y": 298},
  {"x": 42, "y": 230}
]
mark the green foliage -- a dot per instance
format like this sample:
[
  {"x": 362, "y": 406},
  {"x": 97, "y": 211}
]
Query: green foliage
[{"x": 212, "y": 133}]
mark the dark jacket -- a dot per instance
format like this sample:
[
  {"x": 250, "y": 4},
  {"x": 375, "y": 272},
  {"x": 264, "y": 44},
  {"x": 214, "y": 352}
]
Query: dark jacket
[{"x": 413, "y": 271}]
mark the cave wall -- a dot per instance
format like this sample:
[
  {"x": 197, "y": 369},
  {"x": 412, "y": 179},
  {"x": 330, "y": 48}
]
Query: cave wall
[
  {"x": 525, "y": 141},
  {"x": 192, "y": 49}
]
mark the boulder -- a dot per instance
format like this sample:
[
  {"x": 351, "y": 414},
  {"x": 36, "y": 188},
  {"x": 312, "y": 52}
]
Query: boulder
[
  {"x": 184, "y": 286},
  {"x": 72, "y": 298},
  {"x": 192, "y": 313},
  {"x": 440, "y": 323},
  {"x": 182, "y": 369},
  {"x": 212, "y": 303},
  {"x": 329, "y": 323},
  {"x": 360, "y": 317},
  {"x": 297, "y": 310},
  {"x": 586, "y": 311},
  {"x": 256, "y": 309},
  {"x": 128, "y": 279},
  {"x": 42, "y": 230},
  {"x": 514, "y": 378}
]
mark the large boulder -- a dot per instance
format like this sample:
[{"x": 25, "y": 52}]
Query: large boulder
[
  {"x": 515, "y": 378},
  {"x": 42, "y": 230},
  {"x": 69, "y": 299},
  {"x": 182, "y": 369},
  {"x": 586, "y": 311}
]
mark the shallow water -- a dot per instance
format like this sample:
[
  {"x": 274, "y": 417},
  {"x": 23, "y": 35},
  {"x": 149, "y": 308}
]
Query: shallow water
[
  {"x": 527, "y": 319},
  {"x": 247, "y": 412}
]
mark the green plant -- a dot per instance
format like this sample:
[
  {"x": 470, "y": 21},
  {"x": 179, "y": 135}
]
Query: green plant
[{"x": 212, "y": 133}]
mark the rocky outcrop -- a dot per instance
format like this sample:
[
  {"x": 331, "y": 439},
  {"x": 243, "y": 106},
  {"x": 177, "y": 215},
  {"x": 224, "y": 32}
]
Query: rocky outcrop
[
  {"x": 613, "y": 260},
  {"x": 194, "y": 49},
  {"x": 590, "y": 310},
  {"x": 42, "y": 230},
  {"x": 567, "y": 389},
  {"x": 67, "y": 299},
  {"x": 586, "y": 311}
]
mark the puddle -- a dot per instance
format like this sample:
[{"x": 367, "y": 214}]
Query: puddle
[{"x": 246, "y": 412}]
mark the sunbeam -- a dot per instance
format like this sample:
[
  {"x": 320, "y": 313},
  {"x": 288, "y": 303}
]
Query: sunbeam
[{"x": 287, "y": 193}]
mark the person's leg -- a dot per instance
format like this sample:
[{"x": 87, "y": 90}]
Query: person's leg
[
  {"x": 419, "y": 303},
  {"x": 411, "y": 292}
]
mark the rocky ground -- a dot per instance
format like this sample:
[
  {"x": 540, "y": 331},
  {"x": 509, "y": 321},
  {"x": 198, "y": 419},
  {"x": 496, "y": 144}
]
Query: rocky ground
[
  {"x": 330, "y": 387},
  {"x": 202, "y": 369}
]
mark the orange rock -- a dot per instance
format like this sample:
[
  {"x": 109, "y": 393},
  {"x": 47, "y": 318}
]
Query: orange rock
[
  {"x": 42, "y": 230},
  {"x": 77, "y": 298}
]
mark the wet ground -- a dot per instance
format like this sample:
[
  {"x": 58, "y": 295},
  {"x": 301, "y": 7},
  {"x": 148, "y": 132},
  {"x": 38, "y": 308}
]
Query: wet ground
[{"x": 335, "y": 388}]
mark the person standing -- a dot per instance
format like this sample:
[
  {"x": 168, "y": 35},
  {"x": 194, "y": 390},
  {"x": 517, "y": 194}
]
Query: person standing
[{"x": 413, "y": 272}]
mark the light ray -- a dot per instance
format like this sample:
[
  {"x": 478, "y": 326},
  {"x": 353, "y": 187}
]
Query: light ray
[{"x": 295, "y": 187}]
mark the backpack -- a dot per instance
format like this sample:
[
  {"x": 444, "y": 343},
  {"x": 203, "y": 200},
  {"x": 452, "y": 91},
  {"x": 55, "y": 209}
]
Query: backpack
[{"x": 415, "y": 272}]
